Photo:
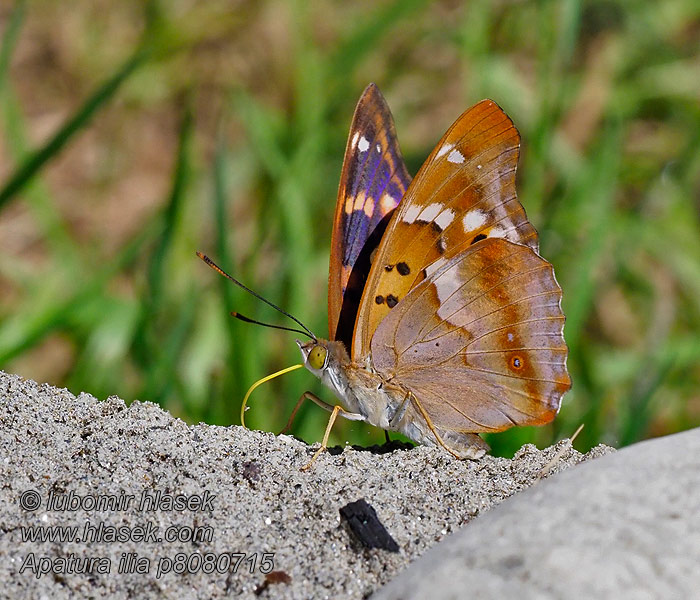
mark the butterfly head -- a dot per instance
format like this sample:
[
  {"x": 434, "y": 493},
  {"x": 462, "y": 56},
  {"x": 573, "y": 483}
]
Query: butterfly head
[
  {"x": 315, "y": 355},
  {"x": 328, "y": 361},
  {"x": 323, "y": 358}
]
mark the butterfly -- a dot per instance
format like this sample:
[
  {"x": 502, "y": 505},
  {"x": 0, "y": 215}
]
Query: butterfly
[{"x": 444, "y": 321}]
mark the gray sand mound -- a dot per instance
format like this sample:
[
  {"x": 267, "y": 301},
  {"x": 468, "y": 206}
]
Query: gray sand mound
[
  {"x": 180, "y": 511},
  {"x": 625, "y": 526}
]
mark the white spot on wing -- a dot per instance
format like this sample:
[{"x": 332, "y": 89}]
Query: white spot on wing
[
  {"x": 444, "y": 150},
  {"x": 445, "y": 285},
  {"x": 379, "y": 149},
  {"x": 434, "y": 266},
  {"x": 445, "y": 218},
  {"x": 354, "y": 139},
  {"x": 473, "y": 220},
  {"x": 430, "y": 212},
  {"x": 455, "y": 157},
  {"x": 411, "y": 214},
  {"x": 498, "y": 232},
  {"x": 364, "y": 144},
  {"x": 478, "y": 167},
  {"x": 359, "y": 201},
  {"x": 387, "y": 203},
  {"x": 510, "y": 336}
]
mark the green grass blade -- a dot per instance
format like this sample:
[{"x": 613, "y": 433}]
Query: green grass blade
[
  {"x": 365, "y": 38},
  {"x": 9, "y": 39},
  {"x": 78, "y": 121},
  {"x": 16, "y": 338},
  {"x": 156, "y": 268},
  {"x": 154, "y": 357}
]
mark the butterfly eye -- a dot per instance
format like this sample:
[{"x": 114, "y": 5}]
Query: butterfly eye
[{"x": 317, "y": 357}]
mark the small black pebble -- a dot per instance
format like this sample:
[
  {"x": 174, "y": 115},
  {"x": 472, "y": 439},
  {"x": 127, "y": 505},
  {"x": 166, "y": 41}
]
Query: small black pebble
[{"x": 366, "y": 526}]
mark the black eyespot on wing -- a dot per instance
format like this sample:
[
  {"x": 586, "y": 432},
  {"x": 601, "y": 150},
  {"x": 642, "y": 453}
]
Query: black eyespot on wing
[
  {"x": 403, "y": 268},
  {"x": 379, "y": 299},
  {"x": 478, "y": 238},
  {"x": 391, "y": 300}
]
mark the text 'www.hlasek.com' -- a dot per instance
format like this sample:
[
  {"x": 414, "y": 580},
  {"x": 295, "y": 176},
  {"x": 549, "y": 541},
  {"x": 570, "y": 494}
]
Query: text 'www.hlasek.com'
[{"x": 94, "y": 530}]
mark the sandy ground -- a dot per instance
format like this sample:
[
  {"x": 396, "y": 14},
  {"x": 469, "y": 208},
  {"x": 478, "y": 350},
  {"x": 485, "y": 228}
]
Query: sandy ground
[{"x": 140, "y": 504}]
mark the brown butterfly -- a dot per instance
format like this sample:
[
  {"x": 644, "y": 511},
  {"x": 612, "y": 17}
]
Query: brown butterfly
[{"x": 444, "y": 321}]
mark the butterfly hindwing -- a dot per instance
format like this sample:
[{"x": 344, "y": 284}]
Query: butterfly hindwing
[
  {"x": 479, "y": 342},
  {"x": 372, "y": 183},
  {"x": 464, "y": 192}
]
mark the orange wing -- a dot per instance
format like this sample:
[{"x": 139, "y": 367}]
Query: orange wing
[
  {"x": 372, "y": 183},
  {"x": 463, "y": 193},
  {"x": 480, "y": 341}
]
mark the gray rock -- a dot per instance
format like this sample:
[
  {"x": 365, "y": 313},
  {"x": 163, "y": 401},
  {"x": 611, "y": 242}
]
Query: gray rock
[
  {"x": 247, "y": 496},
  {"x": 623, "y": 526}
]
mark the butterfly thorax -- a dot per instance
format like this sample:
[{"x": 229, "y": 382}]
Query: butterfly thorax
[{"x": 357, "y": 385}]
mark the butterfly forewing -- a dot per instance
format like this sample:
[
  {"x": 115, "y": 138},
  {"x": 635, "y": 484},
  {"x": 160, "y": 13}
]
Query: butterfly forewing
[
  {"x": 372, "y": 183},
  {"x": 465, "y": 192},
  {"x": 480, "y": 342}
]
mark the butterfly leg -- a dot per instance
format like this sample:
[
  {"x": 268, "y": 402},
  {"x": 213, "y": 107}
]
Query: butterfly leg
[
  {"x": 429, "y": 422},
  {"x": 335, "y": 411},
  {"x": 303, "y": 397},
  {"x": 324, "y": 405}
]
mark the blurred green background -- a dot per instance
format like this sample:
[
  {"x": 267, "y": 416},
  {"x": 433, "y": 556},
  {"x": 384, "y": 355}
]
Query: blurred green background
[{"x": 133, "y": 133}]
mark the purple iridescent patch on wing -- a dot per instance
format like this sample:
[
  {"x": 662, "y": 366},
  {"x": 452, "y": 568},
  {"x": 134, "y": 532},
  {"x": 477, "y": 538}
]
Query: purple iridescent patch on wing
[
  {"x": 377, "y": 189},
  {"x": 373, "y": 182}
]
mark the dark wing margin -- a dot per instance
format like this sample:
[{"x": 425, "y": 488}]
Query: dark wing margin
[{"x": 373, "y": 181}]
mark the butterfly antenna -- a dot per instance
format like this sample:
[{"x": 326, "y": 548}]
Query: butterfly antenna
[
  {"x": 219, "y": 270},
  {"x": 245, "y": 319}
]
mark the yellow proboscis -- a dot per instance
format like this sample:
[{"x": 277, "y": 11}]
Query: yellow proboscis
[{"x": 260, "y": 382}]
